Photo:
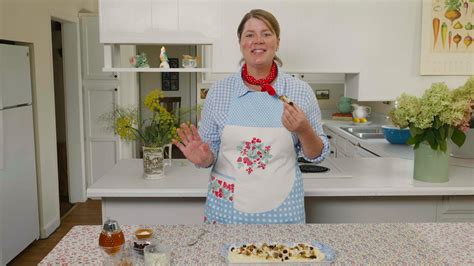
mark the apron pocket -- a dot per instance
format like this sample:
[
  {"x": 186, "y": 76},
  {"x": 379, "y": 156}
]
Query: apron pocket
[
  {"x": 220, "y": 200},
  {"x": 221, "y": 187}
]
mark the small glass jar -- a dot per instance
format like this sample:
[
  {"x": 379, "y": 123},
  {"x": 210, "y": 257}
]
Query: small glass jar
[
  {"x": 189, "y": 61},
  {"x": 137, "y": 247},
  {"x": 157, "y": 254}
]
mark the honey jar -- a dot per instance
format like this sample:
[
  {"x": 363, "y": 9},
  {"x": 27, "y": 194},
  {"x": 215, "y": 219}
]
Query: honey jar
[{"x": 111, "y": 239}]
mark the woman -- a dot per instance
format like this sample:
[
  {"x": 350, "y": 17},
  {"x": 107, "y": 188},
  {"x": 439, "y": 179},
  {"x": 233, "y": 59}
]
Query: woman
[{"x": 252, "y": 139}]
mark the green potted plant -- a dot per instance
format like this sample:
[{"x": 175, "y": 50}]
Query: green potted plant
[
  {"x": 439, "y": 116},
  {"x": 155, "y": 133}
]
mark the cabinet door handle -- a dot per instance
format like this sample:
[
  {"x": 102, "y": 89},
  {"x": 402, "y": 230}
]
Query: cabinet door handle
[
  {"x": 332, "y": 152},
  {"x": 115, "y": 89},
  {"x": 115, "y": 76},
  {"x": 302, "y": 76},
  {"x": 329, "y": 137}
]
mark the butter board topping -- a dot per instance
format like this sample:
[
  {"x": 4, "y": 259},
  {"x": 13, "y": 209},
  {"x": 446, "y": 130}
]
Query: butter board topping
[{"x": 275, "y": 252}]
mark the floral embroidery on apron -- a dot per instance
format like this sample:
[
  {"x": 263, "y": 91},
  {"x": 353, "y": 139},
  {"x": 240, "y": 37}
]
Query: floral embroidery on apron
[{"x": 253, "y": 153}]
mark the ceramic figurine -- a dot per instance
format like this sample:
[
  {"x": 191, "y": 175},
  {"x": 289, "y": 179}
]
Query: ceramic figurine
[
  {"x": 139, "y": 61},
  {"x": 164, "y": 58}
]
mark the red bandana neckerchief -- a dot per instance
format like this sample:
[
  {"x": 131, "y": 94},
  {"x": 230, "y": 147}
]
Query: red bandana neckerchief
[{"x": 263, "y": 83}]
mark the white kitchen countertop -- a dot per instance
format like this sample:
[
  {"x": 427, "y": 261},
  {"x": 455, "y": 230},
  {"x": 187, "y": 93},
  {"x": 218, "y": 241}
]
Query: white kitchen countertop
[
  {"x": 370, "y": 177},
  {"x": 382, "y": 147}
]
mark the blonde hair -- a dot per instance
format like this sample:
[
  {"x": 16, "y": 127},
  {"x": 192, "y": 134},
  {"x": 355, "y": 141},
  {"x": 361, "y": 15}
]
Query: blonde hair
[{"x": 268, "y": 18}]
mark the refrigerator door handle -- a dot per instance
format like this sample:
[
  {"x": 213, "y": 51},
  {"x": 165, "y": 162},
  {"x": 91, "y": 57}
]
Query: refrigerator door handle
[{"x": 2, "y": 146}]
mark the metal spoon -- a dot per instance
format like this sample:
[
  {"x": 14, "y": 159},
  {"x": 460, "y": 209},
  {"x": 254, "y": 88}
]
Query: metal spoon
[{"x": 195, "y": 239}]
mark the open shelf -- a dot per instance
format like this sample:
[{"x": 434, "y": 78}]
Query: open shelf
[{"x": 151, "y": 69}]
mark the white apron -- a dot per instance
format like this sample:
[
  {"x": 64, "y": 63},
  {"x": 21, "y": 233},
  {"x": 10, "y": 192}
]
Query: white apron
[{"x": 256, "y": 178}]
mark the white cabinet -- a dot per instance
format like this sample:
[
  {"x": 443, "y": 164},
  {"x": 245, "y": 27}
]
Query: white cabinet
[
  {"x": 102, "y": 145},
  {"x": 100, "y": 96},
  {"x": 123, "y": 16},
  {"x": 159, "y": 21},
  {"x": 332, "y": 142},
  {"x": 310, "y": 78},
  {"x": 321, "y": 78},
  {"x": 357, "y": 38},
  {"x": 92, "y": 51},
  {"x": 456, "y": 209},
  {"x": 342, "y": 147},
  {"x": 125, "y": 20},
  {"x": 375, "y": 43},
  {"x": 202, "y": 16},
  {"x": 298, "y": 41},
  {"x": 164, "y": 15}
]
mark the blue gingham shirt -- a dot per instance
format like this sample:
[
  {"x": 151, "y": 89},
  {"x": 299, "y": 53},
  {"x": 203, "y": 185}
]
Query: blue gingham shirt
[{"x": 216, "y": 106}]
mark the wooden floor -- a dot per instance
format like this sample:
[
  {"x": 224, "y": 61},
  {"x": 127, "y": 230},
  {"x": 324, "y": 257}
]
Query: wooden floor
[{"x": 88, "y": 213}]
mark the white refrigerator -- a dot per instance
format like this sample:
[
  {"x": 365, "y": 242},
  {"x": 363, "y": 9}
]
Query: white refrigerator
[{"x": 18, "y": 187}]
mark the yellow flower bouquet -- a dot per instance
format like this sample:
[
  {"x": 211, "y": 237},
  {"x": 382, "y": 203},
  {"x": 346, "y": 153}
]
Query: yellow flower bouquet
[{"x": 156, "y": 131}]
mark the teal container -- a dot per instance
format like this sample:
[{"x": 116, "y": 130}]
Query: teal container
[
  {"x": 344, "y": 105},
  {"x": 431, "y": 165}
]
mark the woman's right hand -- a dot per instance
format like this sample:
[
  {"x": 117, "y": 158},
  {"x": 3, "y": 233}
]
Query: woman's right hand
[{"x": 193, "y": 147}]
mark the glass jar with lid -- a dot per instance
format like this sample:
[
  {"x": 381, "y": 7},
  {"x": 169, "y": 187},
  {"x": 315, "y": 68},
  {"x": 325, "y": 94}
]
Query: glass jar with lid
[{"x": 111, "y": 241}]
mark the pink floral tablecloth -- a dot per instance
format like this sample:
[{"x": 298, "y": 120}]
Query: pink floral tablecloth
[{"x": 423, "y": 243}]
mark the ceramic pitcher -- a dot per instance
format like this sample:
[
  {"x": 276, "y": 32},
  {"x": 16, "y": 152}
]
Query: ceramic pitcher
[
  {"x": 344, "y": 105},
  {"x": 154, "y": 161},
  {"x": 360, "y": 111}
]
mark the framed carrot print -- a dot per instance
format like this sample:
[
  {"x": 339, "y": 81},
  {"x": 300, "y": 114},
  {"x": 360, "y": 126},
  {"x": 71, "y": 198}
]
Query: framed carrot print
[{"x": 447, "y": 44}]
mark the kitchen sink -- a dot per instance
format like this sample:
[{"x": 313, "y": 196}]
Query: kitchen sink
[{"x": 365, "y": 132}]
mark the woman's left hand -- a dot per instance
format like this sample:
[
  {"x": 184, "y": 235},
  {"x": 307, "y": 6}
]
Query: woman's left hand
[{"x": 294, "y": 119}]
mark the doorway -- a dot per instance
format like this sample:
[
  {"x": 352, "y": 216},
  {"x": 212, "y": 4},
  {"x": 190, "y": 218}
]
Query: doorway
[{"x": 60, "y": 110}]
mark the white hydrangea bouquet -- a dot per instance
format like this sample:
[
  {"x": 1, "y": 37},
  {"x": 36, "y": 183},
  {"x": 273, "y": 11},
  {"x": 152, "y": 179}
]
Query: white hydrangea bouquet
[{"x": 438, "y": 116}]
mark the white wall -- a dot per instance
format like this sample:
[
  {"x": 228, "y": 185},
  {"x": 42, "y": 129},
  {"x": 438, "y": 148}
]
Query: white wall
[
  {"x": 390, "y": 49},
  {"x": 29, "y": 21},
  {"x": 335, "y": 92},
  {"x": 2, "y": 22}
]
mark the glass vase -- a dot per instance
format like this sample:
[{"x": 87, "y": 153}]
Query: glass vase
[
  {"x": 431, "y": 165},
  {"x": 154, "y": 161}
]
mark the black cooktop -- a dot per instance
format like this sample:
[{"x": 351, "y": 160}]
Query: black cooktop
[{"x": 308, "y": 167}]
